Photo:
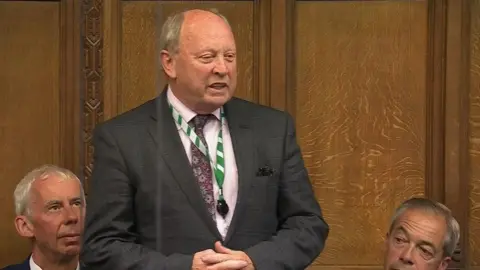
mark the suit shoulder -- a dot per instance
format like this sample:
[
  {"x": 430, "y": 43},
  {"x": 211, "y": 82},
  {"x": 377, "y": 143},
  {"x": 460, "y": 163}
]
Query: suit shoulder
[
  {"x": 133, "y": 117},
  {"x": 20, "y": 266},
  {"x": 258, "y": 110}
]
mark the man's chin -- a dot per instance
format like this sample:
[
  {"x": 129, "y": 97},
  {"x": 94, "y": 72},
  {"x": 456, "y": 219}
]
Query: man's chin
[
  {"x": 217, "y": 101},
  {"x": 396, "y": 267},
  {"x": 72, "y": 250}
]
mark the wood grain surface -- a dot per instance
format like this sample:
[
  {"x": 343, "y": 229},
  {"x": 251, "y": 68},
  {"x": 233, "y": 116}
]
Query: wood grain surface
[
  {"x": 360, "y": 112},
  {"x": 29, "y": 105}
]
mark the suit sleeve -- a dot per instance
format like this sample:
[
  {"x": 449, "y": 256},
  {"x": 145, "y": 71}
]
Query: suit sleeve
[
  {"x": 302, "y": 230},
  {"x": 110, "y": 240}
]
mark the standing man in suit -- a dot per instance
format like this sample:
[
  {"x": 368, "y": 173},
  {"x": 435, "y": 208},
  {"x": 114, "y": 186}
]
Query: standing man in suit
[
  {"x": 50, "y": 208},
  {"x": 423, "y": 235},
  {"x": 197, "y": 179}
]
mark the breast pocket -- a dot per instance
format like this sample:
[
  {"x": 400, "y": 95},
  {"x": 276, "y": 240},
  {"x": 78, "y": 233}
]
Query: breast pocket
[{"x": 264, "y": 191}]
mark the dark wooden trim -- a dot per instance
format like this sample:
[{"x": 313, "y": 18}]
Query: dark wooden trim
[
  {"x": 457, "y": 165},
  {"x": 112, "y": 55},
  {"x": 274, "y": 53},
  {"x": 290, "y": 51},
  {"x": 435, "y": 109},
  {"x": 93, "y": 95},
  {"x": 461, "y": 212},
  {"x": 185, "y": 1},
  {"x": 278, "y": 55},
  {"x": 262, "y": 48},
  {"x": 31, "y": 0},
  {"x": 70, "y": 81},
  {"x": 282, "y": 53}
]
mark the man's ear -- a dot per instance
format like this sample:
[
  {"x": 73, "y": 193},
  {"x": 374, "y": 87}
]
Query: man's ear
[
  {"x": 444, "y": 264},
  {"x": 168, "y": 64},
  {"x": 24, "y": 227}
]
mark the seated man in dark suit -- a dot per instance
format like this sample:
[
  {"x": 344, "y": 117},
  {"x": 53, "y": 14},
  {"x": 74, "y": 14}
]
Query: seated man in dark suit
[
  {"x": 422, "y": 236},
  {"x": 50, "y": 208}
]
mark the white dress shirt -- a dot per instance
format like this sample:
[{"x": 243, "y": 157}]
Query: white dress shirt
[
  {"x": 34, "y": 266},
  {"x": 230, "y": 184}
]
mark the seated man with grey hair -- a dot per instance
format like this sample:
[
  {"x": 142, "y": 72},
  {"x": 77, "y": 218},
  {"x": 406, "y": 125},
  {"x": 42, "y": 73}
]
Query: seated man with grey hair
[
  {"x": 423, "y": 236},
  {"x": 50, "y": 209}
]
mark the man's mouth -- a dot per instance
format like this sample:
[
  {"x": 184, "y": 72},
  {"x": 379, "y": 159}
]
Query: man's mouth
[
  {"x": 218, "y": 86},
  {"x": 70, "y": 235}
]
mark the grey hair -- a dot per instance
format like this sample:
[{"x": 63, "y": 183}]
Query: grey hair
[
  {"x": 22, "y": 194},
  {"x": 170, "y": 36},
  {"x": 453, "y": 228}
]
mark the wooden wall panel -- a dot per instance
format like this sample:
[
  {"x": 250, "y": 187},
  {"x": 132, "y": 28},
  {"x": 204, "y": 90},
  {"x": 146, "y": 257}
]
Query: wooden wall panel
[
  {"x": 456, "y": 121},
  {"x": 361, "y": 117},
  {"x": 141, "y": 25},
  {"x": 474, "y": 222},
  {"x": 29, "y": 105}
]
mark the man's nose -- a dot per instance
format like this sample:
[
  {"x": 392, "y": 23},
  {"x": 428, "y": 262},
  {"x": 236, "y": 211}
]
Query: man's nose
[
  {"x": 220, "y": 67},
  {"x": 71, "y": 215},
  {"x": 407, "y": 255}
]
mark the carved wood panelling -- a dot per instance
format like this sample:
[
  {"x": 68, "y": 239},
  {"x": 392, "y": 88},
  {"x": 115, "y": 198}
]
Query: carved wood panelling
[
  {"x": 360, "y": 112},
  {"x": 368, "y": 85},
  {"x": 30, "y": 105},
  {"x": 474, "y": 149},
  {"x": 93, "y": 78},
  {"x": 455, "y": 137},
  {"x": 70, "y": 84}
]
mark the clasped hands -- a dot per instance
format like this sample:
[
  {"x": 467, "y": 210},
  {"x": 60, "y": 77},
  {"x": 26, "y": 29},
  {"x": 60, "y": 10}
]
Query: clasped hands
[{"x": 221, "y": 258}]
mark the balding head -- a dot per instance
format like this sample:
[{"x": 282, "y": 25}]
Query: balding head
[
  {"x": 172, "y": 28},
  {"x": 199, "y": 58}
]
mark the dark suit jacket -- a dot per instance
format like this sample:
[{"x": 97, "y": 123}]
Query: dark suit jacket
[
  {"x": 145, "y": 210},
  {"x": 25, "y": 265}
]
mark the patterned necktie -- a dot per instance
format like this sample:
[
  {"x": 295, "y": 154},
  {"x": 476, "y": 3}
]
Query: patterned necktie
[{"x": 201, "y": 166}]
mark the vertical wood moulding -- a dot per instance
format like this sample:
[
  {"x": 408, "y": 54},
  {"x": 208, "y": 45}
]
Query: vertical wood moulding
[
  {"x": 464, "y": 153},
  {"x": 112, "y": 55},
  {"x": 281, "y": 56},
  {"x": 261, "y": 53},
  {"x": 457, "y": 122},
  {"x": 70, "y": 83},
  {"x": 278, "y": 55},
  {"x": 93, "y": 93},
  {"x": 435, "y": 107},
  {"x": 290, "y": 69}
]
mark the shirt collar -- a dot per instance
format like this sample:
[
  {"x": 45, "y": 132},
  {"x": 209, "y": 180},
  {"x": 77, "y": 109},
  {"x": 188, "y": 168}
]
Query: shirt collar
[
  {"x": 186, "y": 113},
  {"x": 34, "y": 266}
]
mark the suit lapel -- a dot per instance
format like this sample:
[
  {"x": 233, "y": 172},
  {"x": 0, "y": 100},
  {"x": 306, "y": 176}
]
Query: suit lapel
[
  {"x": 244, "y": 149},
  {"x": 171, "y": 150},
  {"x": 26, "y": 263}
]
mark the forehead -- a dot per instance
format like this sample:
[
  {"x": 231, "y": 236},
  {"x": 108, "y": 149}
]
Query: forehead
[
  {"x": 55, "y": 187},
  {"x": 422, "y": 226},
  {"x": 203, "y": 29}
]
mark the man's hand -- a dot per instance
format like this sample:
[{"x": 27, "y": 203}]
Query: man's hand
[
  {"x": 224, "y": 258},
  {"x": 200, "y": 264}
]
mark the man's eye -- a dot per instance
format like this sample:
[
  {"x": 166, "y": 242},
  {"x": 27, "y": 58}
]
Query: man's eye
[
  {"x": 54, "y": 208},
  {"x": 206, "y": 57},
  {"x": 230, "y": 57},
  {"x": 426, "y": 253},
  {"x": 400, "y": 240}
]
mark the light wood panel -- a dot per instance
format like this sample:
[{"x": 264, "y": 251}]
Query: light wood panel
[
  {"x": 361, "y": 116},
  {"x": 29, "y": 105},
  {"x": 141, "y": 24},
  {"x": 474, "y": 222}
]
